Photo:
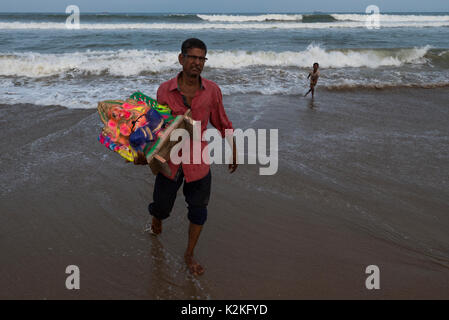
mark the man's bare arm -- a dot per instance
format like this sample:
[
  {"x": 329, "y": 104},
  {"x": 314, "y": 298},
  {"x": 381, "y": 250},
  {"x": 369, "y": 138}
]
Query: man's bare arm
[{"x": 232, "y": 166}]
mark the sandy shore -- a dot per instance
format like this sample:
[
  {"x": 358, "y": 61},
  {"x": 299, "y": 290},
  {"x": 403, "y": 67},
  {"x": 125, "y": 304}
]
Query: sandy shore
[{"x": 360, "y": 182}]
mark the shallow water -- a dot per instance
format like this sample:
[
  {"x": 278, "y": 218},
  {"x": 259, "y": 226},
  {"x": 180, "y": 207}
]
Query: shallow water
[{"x": 361, "y": 181}]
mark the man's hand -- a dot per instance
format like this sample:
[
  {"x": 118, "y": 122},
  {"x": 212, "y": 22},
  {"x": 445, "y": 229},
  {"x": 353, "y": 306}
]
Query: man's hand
[
  {"x": 140, "y": 159},
  {"x": 233, "y": 166}
]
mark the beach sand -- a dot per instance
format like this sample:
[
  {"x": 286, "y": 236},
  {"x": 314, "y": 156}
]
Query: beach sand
[{"x": 362, "y": 181}]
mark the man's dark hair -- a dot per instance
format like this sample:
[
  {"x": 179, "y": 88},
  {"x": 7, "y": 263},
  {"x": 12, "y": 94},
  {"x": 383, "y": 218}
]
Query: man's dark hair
[
  {"x": 193, "y": 43},
  {"x": 316, "y": 63}
]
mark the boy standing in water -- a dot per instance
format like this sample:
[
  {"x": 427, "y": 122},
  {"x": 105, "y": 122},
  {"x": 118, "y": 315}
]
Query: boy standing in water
[{"x": 314, "y": 75}]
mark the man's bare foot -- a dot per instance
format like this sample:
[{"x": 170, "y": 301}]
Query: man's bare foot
[
  {"x": 156, "y": 226},
  {"x": 195, "y": 268}
]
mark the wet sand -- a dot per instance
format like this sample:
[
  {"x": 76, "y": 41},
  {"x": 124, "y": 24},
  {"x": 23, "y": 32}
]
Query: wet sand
[{"x": 362, "y": 181}]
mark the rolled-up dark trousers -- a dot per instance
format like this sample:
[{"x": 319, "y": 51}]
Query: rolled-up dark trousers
[{"x": 196, "y": 194}]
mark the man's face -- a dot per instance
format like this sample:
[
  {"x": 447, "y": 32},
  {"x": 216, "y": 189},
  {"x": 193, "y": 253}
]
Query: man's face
[{"x": 193, "y": 62}]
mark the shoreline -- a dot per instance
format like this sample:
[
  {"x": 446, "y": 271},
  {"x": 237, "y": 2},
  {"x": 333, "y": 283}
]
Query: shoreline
[{"x": 359, "y": 183}]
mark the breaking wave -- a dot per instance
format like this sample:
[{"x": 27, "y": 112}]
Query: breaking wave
[
  {"x": 225, "y": 26},
  {"x": 134, "y": 62},
  {"x": 250, "y": 18},
  {"x": 393, "y": 17}
]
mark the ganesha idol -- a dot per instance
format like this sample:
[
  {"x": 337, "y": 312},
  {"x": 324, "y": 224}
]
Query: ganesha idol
[{"x": 131, "y": 125}]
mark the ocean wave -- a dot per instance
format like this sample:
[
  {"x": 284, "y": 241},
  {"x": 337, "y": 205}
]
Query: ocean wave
[
  {"x": 86, "y": 96},
  {"x": 250, "y": 18},
  {"x": 321, "y": 17},
  {"x": 134, "y": 20},
  {"x": 98, "y": 17},
  {"x": 208, "y": 26},
  {"x": 135, "y": 62},
  {"x": 318, "y": 18},
  {"x": 371, "y": 58},
  {"x": 439, "y": 58},
  {"x": 73, "y": 93},
  {"x": 386, "y": 85},
  {"x": 392, "y": 17},
  {"x": 115, "y": 63},
  {"x": 296, "y": 85}
]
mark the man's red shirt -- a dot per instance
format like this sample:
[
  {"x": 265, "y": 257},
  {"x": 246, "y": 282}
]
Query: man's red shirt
[{"x": 206, "y": 105}]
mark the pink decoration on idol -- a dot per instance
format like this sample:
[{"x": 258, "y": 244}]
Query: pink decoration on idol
[
  {"x": 114, "y": 134},
  {"x": 112, "y": 124},
  {"x": 127, "y": 106},
  {"x": 125, "y": 114},
  {"x": 124, "y": 129},
  {"x": 141, "y": 102}
]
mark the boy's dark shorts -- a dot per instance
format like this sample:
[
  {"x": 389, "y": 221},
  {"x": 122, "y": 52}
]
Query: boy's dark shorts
[{"x": 196, "y": 193}]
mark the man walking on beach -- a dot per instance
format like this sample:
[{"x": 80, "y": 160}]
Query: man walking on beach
[
  {"x": 314, "y": 75},
  {"x": 188, "y": 90}
]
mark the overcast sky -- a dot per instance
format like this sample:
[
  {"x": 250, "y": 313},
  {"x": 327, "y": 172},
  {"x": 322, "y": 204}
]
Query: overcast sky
[{"x": 225, "y": 6}]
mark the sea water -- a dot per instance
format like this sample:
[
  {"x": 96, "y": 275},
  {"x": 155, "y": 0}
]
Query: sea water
[{"x": 114, "y": 54}]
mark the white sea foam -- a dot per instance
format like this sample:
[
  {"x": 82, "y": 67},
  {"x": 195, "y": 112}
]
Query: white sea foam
[
  {"x": 337, "y": 16},
  {"x": 116, "y": 63},
  {"x": 73, "y": 93},
  {"x": 209, "y": 26},
  {"x": 393, "y": 18},
  {"x": 81, "y": 79},
  {"x": 250, "y": 18},
  {"x": 328, "y": 59},
  {"x": 132, "y": 62}
]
